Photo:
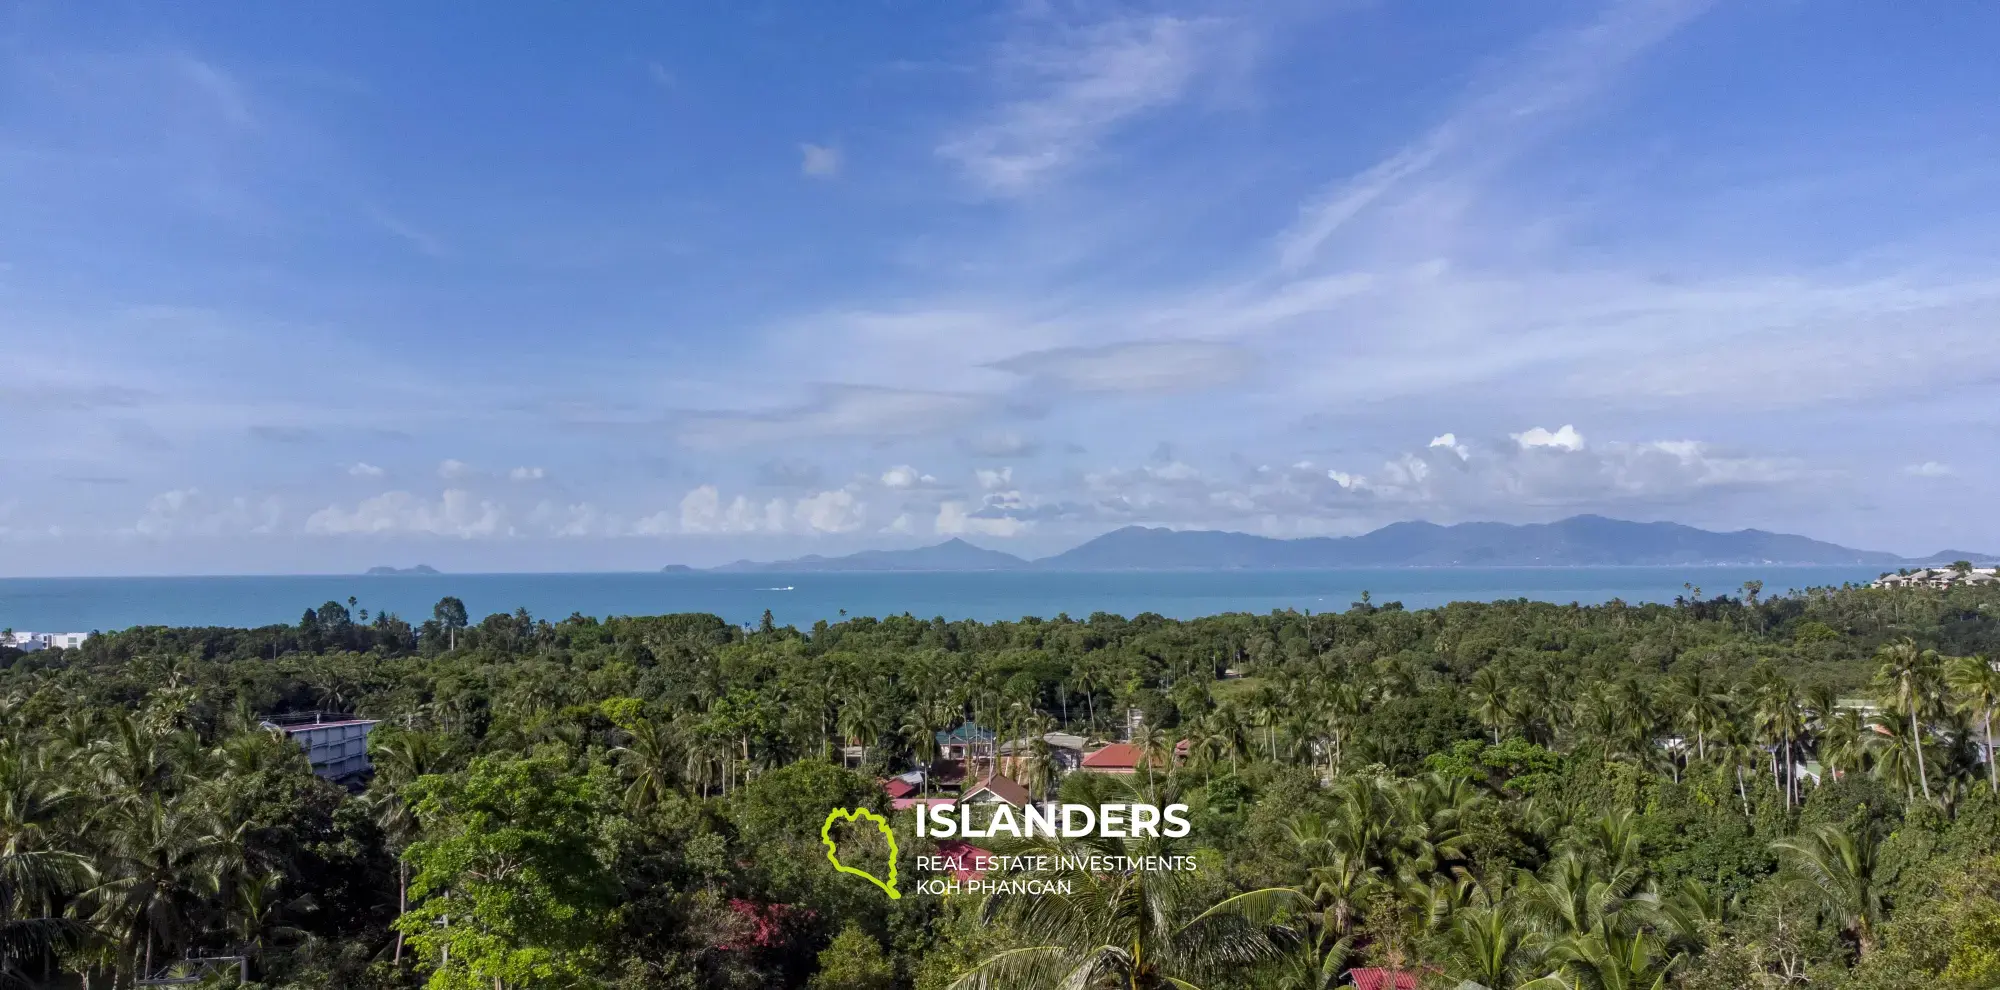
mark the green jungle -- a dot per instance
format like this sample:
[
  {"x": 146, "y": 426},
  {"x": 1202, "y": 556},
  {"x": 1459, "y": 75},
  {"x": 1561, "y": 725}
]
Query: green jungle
[{"x": 1743, "y": 791}]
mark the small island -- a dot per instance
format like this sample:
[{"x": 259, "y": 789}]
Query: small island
[
  {"x": 677, "y": 569},
  {"x": 420, "y": 569}
]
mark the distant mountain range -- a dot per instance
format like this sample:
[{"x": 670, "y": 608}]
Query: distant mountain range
[
  {"x": 1580, "y": 541},
  {"x": 402, "y": 571}
]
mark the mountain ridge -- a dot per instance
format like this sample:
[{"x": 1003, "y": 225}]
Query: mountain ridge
[{"x": 1578, "y": 541}]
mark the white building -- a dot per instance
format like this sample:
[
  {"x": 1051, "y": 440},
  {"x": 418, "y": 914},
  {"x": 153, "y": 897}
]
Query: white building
[
  {"x": 337, "y": 747},
  {"x": 28, "y": 642}
]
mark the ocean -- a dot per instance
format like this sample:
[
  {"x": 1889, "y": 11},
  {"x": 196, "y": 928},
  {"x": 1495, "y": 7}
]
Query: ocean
[{"x": 89, "y": 604}]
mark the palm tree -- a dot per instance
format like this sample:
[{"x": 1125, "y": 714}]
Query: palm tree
[
  {"x": 1698, "y": 705},
  {"x": 35, "y": 876},
  {"x": 1138, "y": 930},
  {"x": 1486, "y": 946},
  {"x": 1488, "y": 692},
  {"x": 1911, "y": 673},
  {"x": 1778, "y": 721},
  {"x": 1839, "y": 868},
  {"x": 649, "y": 755},
  {"x": 1608, "y": 959},
  {"x": 161, "y": 858},
  {"x": 1975, "y": 685}
]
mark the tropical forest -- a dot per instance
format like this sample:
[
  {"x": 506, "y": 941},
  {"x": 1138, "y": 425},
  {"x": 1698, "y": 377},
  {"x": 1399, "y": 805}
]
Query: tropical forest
[{"x": 1750, "y": 790}]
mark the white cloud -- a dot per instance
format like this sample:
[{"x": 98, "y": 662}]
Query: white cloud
[
  {"x": 527, "y": 474},
  {"x": 819, "y": 161},
  {"x": 450, "y": 469},
  {"x": 905, "y": 476},
  {"x": 188, "y": 512},
  {"x": 365, "y": 470},
  {"x": 992, "y": 480},
  {"x": 831, "y": 512},
  {"x": 1930, "y": 469},
  {"x": 703, "y": 511},
  {"x": 1566, "y": 438},
  {"x": 1077, "y": 85},
  {"x": 456, "y": 513},
  {"x": 580, "y": 519},
  {"x": 953, "y": 520},
  {"x": 903, "y": 525},
  {"x": 1450, "y": 442}
]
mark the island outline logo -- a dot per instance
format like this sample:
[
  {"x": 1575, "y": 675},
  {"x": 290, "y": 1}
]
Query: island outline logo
[{"x": 833, "y": 848}]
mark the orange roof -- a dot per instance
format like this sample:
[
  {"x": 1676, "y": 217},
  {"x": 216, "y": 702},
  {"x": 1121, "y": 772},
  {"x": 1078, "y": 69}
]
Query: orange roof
[{"x": 1117, "y": 756}]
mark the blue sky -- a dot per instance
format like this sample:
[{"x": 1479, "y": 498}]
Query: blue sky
[{"x": 286, "y": 288}]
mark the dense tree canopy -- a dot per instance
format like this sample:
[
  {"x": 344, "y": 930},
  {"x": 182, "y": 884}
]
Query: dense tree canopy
[{"x": 1739, "y": 791}]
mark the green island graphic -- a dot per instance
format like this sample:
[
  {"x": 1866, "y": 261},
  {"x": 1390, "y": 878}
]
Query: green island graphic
[{"x": 832, "y": 850}]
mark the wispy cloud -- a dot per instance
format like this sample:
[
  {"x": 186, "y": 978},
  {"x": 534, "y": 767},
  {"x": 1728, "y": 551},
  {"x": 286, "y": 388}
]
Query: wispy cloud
[
  {"x": 1072, "y": 85},
  {"x": 819, "y": 161},
  {"x": 423, "y": 241},
  {"x": 1519, "y": 102}
]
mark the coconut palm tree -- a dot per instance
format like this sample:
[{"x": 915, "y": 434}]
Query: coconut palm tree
[
  {"x": 1840, "y": 867},
  {"x": 1975, "y": 687},
  {"x": 649, "y": 755},
  {"x": 1911, "y": 675},
  {"x": 1139, "y": 930},
  {"x": 161, "y": 858},
  {"x": 1608, "y": 959}
]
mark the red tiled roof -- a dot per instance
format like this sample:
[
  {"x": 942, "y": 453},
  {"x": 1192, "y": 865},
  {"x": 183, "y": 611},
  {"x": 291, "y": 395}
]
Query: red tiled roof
[
  {"x": 1376, "y": 978},
  {"x": 963, "y": 854},
  {"x": 898, "y": 787},
  {"x": 1002, "y": 788},
  {"x": 1117, "y": 756},
  {"x": 906, "y": 803}
]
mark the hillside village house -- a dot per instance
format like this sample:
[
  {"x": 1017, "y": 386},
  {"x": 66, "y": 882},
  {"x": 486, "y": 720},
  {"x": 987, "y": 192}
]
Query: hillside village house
[
  {"x": 1065, "y": 751},
  {"x": 1939, "y": 577}
]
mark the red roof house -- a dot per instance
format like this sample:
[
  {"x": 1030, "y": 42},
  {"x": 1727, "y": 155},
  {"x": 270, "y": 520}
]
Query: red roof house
[
  {"x": 898, "y": 787},
  {"x": 962, "y": 856},
  {"x": 1376, "y": 978},
  {"x": 1115, "y": 758}
]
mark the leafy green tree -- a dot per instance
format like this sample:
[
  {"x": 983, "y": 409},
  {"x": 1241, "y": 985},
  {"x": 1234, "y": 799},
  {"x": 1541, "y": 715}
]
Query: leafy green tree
[
  {"x": 512, "y": 881},
  {"x": 449, "y": 613},
  {"x": 854, "y": 961}
]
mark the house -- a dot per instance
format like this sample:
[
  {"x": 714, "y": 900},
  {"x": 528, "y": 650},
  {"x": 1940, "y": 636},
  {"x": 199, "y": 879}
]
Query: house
[
  {"x": 968, "y": 741},
  {"x": 1117, "y": 758},
  {"x": 897, "y": 787},
  {"x": 1938, "y": 577},
  {"x": 1065, "y": 751},
  {"x": 997, "y": 790},
  {"x": 962, "y": 855},
  {"x": 1377, "y": 978},
  {"x": 336, "y": 748},
  {"x": 947, "y": 773},
  {"x": 906, "y": 803},
  {"x": 29, "y": 642},
  {"x": 853, "y": 757}
]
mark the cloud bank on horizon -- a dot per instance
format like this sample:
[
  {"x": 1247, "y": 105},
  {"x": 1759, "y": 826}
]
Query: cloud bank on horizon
[{"x": 612, "y": 288}]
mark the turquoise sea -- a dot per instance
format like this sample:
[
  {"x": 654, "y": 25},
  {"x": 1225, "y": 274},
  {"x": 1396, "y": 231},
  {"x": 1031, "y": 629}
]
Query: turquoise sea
[{"x": 84, "y": 604}]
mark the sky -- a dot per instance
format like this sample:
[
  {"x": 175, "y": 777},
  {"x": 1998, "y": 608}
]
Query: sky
[{"x": 298, "y": 288}]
